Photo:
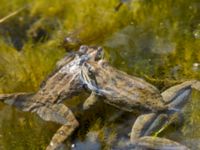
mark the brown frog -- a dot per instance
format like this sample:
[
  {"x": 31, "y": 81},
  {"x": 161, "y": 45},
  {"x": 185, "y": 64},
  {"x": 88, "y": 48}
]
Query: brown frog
[{"x": 88, "y": 69}]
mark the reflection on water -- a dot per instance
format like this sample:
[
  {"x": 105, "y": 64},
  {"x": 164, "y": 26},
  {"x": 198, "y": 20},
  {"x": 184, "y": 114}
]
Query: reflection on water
[
  {"x": 90, "y": 142},
  {"x": 160, "y": 41}
]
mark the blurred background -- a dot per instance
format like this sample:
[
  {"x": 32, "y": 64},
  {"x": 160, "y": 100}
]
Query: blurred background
[{"x": 155, "y": 40}]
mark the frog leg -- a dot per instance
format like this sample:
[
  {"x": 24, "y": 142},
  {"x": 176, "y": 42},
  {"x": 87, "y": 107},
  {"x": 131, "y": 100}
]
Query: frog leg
[
  {"x": 174, "y": 97},
  {"x": 20, "y": 100},
  {"x": 177, "y": 96},
  {"x": 90, "y": 101},
  {"x": 61, "y": 114},
  {"x": 143, "y": 129}
]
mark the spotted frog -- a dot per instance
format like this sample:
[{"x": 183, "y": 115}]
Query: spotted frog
[{"x": 87, "y": 70}]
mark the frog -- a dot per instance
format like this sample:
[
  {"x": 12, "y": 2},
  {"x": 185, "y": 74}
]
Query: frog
[{"x": 88, "y": 71}]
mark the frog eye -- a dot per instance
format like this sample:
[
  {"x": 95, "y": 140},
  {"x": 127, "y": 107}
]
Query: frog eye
[
  {"x": 83, "y": 49},
  {"x": 99, "y": 54}
]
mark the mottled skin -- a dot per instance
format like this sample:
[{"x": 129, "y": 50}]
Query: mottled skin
[
  {"x": 88, "y": 69},
  {"x": 124, "y": 91},
  {"x": 62, "y": 84}
]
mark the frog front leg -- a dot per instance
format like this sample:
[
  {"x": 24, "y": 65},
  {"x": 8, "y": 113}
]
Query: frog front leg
[
  {"x": 90, "y": 101},
  {"x": 61, "y": 114}
]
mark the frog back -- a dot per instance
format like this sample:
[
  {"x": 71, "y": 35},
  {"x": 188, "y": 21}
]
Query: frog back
[{"x": 127, "y": 92}]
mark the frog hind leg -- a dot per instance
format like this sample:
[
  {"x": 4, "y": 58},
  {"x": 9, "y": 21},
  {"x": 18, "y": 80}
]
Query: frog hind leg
[
  {"x": 19, "y": 100},
  {"x": 147, "y": 125},
  {"x": 61, "y": 114},
  {"x": 144, "y": 128},
  {"x": 177, "y": 96}
]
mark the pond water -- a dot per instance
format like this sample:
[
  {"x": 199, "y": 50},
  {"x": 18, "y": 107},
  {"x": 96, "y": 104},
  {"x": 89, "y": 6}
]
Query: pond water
[{"x": 159, "y": 42}]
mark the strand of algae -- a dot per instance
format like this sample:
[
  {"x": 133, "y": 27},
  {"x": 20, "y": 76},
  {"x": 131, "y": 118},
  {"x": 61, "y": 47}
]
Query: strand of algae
[{"x": 13, "y": 14}]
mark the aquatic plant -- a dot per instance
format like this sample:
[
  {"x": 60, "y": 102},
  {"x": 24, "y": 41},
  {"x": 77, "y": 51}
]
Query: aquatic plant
[
  {"x": 156, "y": 40},
  {"x": 24, "y": 70}
]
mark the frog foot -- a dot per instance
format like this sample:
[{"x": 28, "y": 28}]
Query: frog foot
[{"x": 146, "y": 126}]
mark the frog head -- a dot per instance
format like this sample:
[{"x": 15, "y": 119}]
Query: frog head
[
  {"x": 90, "y": 54},
  {"x": 89, "y": 60}
]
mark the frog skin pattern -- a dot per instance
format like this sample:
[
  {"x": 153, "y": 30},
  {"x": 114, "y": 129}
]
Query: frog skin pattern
[{"x": 87, "y": 70}]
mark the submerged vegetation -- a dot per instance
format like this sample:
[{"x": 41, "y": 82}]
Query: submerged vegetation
[
  {"x": 155, "y": 40},
  {"x": 40, "y": 30}
]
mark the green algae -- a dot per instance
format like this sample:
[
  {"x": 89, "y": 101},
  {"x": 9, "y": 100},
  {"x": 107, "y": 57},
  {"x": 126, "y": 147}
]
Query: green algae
[
  {"x": 24, "y": 70},
  {"x": 155, "y": 40}
]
